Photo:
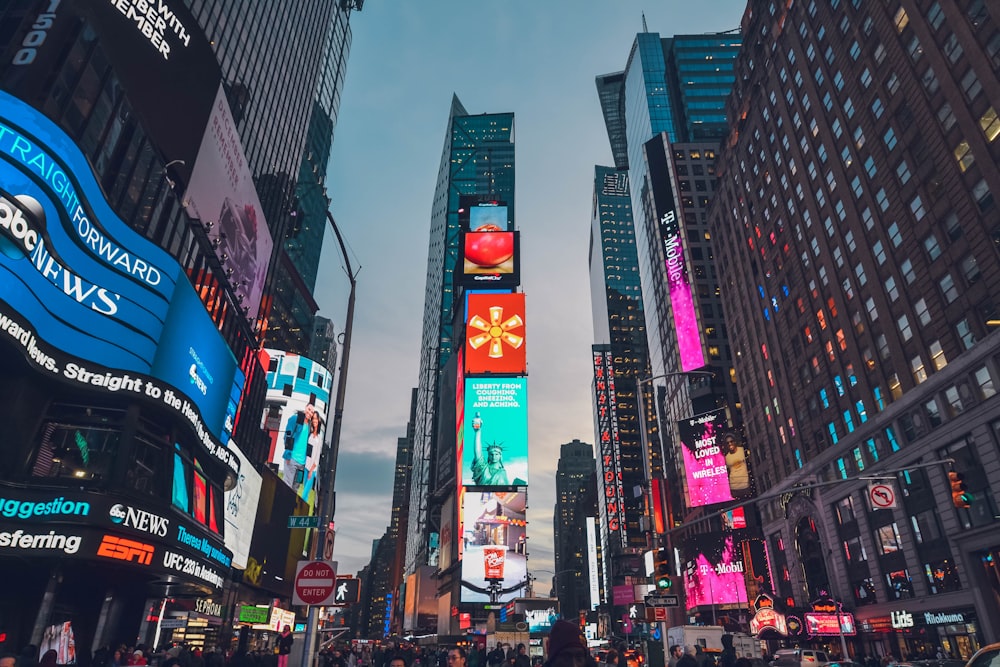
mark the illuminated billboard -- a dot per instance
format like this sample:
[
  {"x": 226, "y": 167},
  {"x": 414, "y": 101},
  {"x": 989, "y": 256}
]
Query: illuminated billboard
[
  {"x": 609, "y": 479},
  {"x": 489, "y": 217},
  {"x": 490, "y": 260},
  {"x": 496, "y": 432},
  {"x": 223, "y": 196},
  {"x": 297, "y": 407},
  {"x": 89, "y": 300},
  {"x": 495, "y": 549},
  {"x": 494, "y": 334},
  {"x": 682, "y": 303},
  {"x": 714, "y": 572},
  {"x": 705, "y": 471}
]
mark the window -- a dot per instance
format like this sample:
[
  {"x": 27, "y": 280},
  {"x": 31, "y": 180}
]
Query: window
[
  {"x": 917, "y": 208},
  {"x": 977, "y": 13},
  {"x": 946, "y": 116},
  {"x": 932, "y": 247},
  {"x": 879, "y": 252},
  {"x": 970, "y": 269},
  {"x": 985, "y": 383},
  {"x": 899, "y": 584},
  {"x": 952, "y": 226},
  {"x": 963, "y": 155},
  {"x": 990, "y": 124},
  {"x": 918, "y": 370},
  {"x": 894, "y": 235},
  {"x": 970, "y": 85},
  {"x": 923, "y": 314},
  {"x": 845, "y": 511},
  {"x": 866, "y": 78},
  {"x": 948, "y": 289},
  {"x": 981, "y": 193},
  {"x": 938, "y": 360},
  {"x": 887, "y": 539},
  {"x": 965, "y": 334},
  {"x": 952, "y": 48},
  {"x": 883, "y": 199},
  {"x": 900, "y": 19},
  {"x": 890, "y": 138},
  {"x": 892, "y": 83},
  {"x": 941, "y": 576},
  {"x": 906, "y": 268},
  {"x": 890, "y": 288},
  {"x": 930, "y": 81},
  {"x": 914, "y": 49},
  {"x": 926, "y": 527},
  {"x": 903, "y": 323}
]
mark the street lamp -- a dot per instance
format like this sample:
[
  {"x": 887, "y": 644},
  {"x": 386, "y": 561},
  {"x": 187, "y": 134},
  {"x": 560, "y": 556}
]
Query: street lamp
[
  {"x": 644, "y": 439},
  {"x": 326, "y": 504}
]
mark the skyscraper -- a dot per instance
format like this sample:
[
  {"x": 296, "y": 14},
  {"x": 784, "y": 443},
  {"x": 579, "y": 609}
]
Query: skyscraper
[
  {"x": 478, "y": 159},
  {"x": 576, "y": 506},
  {"x": 855, "y": 227}
]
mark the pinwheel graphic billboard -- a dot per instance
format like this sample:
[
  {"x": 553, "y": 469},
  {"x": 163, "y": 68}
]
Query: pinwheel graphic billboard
[{"x": 494, "y": 334}]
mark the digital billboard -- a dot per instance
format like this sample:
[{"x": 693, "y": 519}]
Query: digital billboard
[
  {"x": 222, "y": 192},
  {"x": 297, "y": 407},
  {"x": 610, "y": 488},
  {"x": 714, "y": 572},
  {"x": 496, "y": 432},
  {"x": 480, "y": 213},
  {"x": 494, "y": 334},
  {"x": 79, "y": 279},
  {"x": 495, "y": 548},
  {"x": 682, "y": 303},
  {"x": 705, "y": 471},
  {"x": 490, "y": 259},
  {"x": 241, "y": 509}
]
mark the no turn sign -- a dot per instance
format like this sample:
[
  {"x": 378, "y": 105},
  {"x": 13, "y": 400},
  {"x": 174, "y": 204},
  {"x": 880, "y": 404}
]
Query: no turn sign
[
  {"x": 315, "y": 583},
  {"x": 882, "y": 496}
]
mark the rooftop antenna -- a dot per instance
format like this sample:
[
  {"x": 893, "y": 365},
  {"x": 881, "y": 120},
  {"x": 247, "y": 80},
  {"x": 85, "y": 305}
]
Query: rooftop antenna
[{"x": 645, "y": 28}]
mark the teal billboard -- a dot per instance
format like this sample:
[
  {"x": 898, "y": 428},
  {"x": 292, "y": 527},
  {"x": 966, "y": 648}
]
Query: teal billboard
[{"x": 495, "y": 432}]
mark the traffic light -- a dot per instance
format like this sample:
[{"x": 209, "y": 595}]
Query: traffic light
[
  {"x": 960, "y": 496},
  {"x": 661, "y": 569}
]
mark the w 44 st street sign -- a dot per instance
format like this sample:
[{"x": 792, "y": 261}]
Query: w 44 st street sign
[{"x": 662, "y": 601}]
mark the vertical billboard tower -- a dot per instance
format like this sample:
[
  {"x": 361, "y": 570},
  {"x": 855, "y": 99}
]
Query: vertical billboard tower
[{"x": 491, "y": 415}]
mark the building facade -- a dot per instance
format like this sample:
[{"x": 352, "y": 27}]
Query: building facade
[
  {"x": 854, "y": 228},
  {"x": 576, "y": 507}
]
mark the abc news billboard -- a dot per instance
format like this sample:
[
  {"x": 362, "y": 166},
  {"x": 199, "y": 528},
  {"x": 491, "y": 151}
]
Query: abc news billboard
[{"x": 88, "y": 300}]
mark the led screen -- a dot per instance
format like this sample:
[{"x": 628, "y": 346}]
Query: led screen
[
  {"x": 77, "y": 278},
  {"x": 682, "y": 304},
  {"x": 490, "y": 259},
  {"x": 494, "y": 334},
  {"x": 714, "y": 572},
  {"x": 296, "y": 418},
  {"x": 494, "y": 536},
  {"x": 610, "y": 487},
  {"x": 485, "y": 217},
  {"x": 704, "y": 461},
  {"x": 496, "y": 432}
]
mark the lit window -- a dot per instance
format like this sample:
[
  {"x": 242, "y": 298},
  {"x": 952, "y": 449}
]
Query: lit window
[
  {"x": 938, "y": 360},
  {"x": 900, "y": 19},
  {"x": 963, "y": 155},
  {"x": 895, "y": 389},
  {"x": 990, "y": 124},
  {"x": 917, "y": 367}
]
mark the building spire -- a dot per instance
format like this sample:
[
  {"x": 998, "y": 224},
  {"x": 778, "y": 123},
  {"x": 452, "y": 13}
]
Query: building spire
[{"x": 645, "y": 28}]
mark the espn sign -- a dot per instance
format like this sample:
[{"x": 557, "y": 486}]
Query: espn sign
[{"x": 120, "y": 548}]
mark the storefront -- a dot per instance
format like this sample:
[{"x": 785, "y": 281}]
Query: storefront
[{"x": 908, "y": 633}]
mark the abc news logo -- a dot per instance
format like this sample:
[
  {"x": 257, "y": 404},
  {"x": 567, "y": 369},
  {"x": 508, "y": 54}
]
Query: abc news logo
[{"x": 23, "y": 229}]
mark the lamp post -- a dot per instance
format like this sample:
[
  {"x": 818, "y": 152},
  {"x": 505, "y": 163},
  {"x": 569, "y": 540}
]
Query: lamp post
[
  {"x": 326, "y": 504},
  {"x": 653, "y": 500}
]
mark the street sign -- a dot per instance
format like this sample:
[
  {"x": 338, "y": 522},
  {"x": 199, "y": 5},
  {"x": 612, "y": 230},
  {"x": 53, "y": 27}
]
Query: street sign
[
  {"x": 303, "y": 522},
  {"x": 882, "y": 496},
  {"x": 173, "y": 623},
  {"x": 315, "y": 583},
  {"x": 328, "y": 544},
  {"x": 662, "y": 601},
  {"x": 348, "y": 591}
]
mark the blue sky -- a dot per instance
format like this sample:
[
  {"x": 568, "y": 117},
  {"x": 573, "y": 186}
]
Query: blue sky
[{"x": 539, "y": 60}]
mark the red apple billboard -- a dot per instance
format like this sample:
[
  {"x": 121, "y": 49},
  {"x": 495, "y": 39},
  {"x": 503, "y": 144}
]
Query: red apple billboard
[
  {"x": 494, "y": 334},
  {"x": 490, "y": 259}
]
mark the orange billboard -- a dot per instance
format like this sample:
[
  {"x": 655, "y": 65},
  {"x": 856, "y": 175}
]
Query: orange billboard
[{"x": 494, "y": 334}]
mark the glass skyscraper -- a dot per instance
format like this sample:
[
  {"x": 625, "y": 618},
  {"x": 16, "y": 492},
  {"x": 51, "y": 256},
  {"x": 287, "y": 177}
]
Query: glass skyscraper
[{"x": 478, "y": 159}]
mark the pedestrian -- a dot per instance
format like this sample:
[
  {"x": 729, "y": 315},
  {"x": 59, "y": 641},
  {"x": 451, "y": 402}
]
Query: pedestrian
[
  {"x": 457, "y": 657},
  {"x": 138, "y": 658},
  {"x": 48, "y": 659},
  {"x": 567, "y": 647},
  {"x": 495, "y": 657},
  {"x": 522, "y": 659},
  {"x": 8, "y": 660},
  {"x": 285, "y": 641},
  {"x": 611, "y": 659},
  {"x": 675, "y": 654}
]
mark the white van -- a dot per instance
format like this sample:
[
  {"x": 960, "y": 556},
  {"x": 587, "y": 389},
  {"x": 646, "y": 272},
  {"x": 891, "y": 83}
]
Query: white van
[{"x": 800, "y": 657}]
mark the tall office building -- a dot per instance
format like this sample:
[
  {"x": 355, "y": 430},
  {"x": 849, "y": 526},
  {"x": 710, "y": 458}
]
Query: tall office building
[
  {"x": 620, "y": 329},
  {"x": 576, "y": 508},
  {"x": 478, "y": 159},
  {"x": 673, "y": 93},
  {"x": 856, "y": 227}
]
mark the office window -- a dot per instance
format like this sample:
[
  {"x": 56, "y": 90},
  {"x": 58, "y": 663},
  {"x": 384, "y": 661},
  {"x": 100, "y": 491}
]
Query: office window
[
  {"x": 923, "y": 314},
  {"x": 965, "y": 334},
  {"x": 952, "y": 49},
  {"x": 903, "y": 323},
  {"x": 985, "y": 383},
  {"x": 963, "y": 155},
  {"x": 906, "y": 268},
  {"x": 946, "y": 116},
  {"x": 938, "y": 360},
  {"x": 990, "y": 124},
  {"x": 970, "y": 85},
  {"x": 970, "y": 269},
  {"x": 948, "y": 289},
  {"x": 932, "y": 247}
]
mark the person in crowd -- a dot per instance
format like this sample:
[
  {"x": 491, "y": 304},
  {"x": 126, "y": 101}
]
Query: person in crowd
[
  {"x": 611, "y": 659},
  {"x": 138, "y": 658},
  {"x": 285, "y": 641},
  {"x": 48, "y": 659},
  {"x": 398, "y": 661},
  {"x": 522, "y": 660},
  {"x": 676, "y": 652},
  {"x": 495, "y": 657},
  {"x": 567, "y": 647},
  {"x": 457, "y": 657},
  {"x": 8, "y": 660}
]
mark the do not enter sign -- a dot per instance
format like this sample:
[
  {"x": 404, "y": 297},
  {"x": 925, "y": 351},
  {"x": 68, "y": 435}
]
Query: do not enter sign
[{"x": 315, "y": 583}]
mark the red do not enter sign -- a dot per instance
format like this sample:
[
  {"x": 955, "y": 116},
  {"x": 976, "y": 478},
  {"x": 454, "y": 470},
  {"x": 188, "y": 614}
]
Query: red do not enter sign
[{"x": 315, "y": 583}]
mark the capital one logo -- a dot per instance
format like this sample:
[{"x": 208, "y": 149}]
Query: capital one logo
[{"x": 20, "y": 232}]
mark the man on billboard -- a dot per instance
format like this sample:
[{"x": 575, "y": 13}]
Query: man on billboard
[
  {"x": 490, "y": 471},
  {"x": 736, "y": 465},
  {"x": 297, "y": 436}
]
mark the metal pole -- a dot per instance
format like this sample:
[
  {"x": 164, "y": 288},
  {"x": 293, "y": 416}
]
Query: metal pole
[
  {"x": 840, "y": 627},
  {"x": 327, "y": 506}
]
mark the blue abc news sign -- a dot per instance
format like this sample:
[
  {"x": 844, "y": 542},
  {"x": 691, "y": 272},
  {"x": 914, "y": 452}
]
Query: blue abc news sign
[{"x": 75, "y": 277}]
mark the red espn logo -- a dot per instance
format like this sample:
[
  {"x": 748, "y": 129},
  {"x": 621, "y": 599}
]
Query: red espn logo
[{"x": 121, "y": 549}]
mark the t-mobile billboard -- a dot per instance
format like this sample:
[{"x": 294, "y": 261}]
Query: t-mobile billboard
[
  {"x": 682, "y": 304},
  {"x": 705, "y": 471},
  {"x": 92, "y": 302},
  {"x": 714, "y": 572},
  {"x": 495, "y": 450}
]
